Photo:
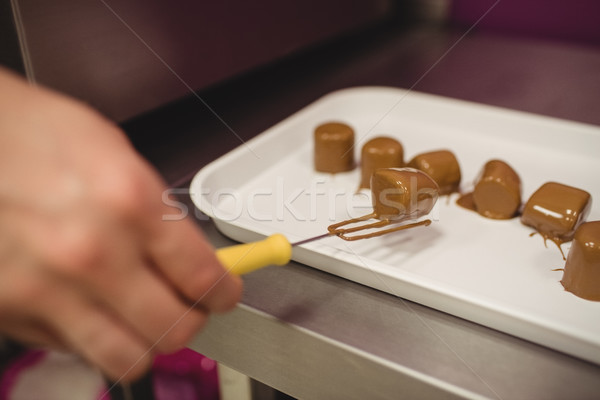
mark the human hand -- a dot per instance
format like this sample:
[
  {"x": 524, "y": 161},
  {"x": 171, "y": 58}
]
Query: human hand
[{"x": 86, "y": 262}]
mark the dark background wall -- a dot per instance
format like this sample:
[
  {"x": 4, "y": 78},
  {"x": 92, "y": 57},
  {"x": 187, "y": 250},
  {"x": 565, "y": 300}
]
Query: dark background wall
[
  {"x": 568, "y": 21},
  {"x": 128, "y": 56}
]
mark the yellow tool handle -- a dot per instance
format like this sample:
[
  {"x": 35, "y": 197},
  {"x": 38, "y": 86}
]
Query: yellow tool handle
[{"x": 244, "y": 258}]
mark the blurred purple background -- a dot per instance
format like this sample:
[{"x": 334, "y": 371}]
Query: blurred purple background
[{"x": 572, "y": 21}]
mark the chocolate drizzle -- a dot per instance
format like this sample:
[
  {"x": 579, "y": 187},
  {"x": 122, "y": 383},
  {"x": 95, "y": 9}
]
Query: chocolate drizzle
[
  {"x": 343, "y": 233},
  {"x": 398, "y": 195},
  {"x": 554, "y": 240}
]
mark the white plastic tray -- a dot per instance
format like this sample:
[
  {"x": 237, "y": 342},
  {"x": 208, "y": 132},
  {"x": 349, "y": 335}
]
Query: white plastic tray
[{"x": 488, "y": 271}]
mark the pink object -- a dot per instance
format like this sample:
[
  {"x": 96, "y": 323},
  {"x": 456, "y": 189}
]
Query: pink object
[
  {"x": 10, "y": 376},
  {"x": 185, "y": 375}
]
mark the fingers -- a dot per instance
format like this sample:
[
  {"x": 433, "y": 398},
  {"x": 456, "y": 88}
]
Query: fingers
[
  {"x": 31, "y": 333},
  {"x": 53, "y": 314},
  {"x": 109, "y": 267},
  {"x": 154, "y": 309},
  {"x": 177, "y": 249},
  {"x": 98, "y": 336},
  {"x": 183, "y": 255},
  {"x": 118, "y": 323},
  {"x": 106, "y": 273}
]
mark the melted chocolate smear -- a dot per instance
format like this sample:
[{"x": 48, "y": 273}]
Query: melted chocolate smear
[
  {"x": 342, "y": 233},
  {"x": 556, "y": 241},
  {"x": 466, "y": 201}
]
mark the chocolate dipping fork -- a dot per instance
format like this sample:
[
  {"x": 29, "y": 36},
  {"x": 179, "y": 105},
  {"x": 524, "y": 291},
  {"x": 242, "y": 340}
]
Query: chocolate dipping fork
[{"x": 403, "y": 194}]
